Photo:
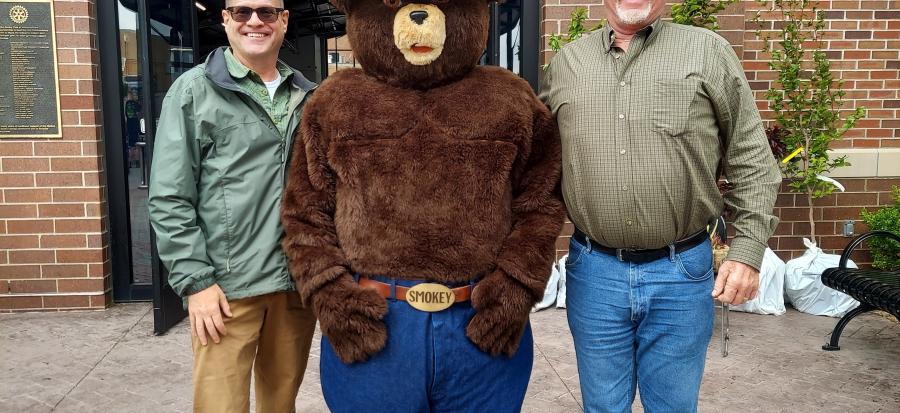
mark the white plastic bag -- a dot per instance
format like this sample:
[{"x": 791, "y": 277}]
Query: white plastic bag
[
  {"x": 556, "y": 287},
  {"x": 550, "y": 291},
  {"x": 770, "y": 299},
  {"x": 803, "y": 283},
  {"x": 561, "y": 294}
]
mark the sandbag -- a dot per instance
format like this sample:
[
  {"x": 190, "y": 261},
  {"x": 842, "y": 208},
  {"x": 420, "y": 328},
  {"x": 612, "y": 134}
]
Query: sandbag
[
  {"x": 770, "y": 298},
  {"x": 555, "y": 291},
  {"x": 803, "y": 283},
  {"x": 551, "y": 290},
  {"x": 561, "y": 286}
]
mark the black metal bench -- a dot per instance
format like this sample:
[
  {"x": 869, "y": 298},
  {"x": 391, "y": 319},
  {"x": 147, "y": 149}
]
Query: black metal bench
[{"x": 874, "y": 289}]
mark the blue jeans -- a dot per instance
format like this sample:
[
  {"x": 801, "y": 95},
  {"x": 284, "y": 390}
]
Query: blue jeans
[
  {"x": 640, "y": 325},
  {"x": 427, "y": 366}
]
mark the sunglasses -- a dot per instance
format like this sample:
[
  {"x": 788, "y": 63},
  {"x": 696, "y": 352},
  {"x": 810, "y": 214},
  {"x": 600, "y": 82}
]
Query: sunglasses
[{"x": 265, "y": 14}]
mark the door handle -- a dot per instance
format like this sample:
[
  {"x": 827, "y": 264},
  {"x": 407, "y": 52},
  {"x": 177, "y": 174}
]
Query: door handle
[{"x": 143, "y": 162}]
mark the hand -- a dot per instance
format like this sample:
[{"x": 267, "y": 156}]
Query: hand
[
  {"x": 502, "y": 306},
  {"x": 350, "y": 316},
  {"x": 206, "y": 309},
  {"x": 736, "y": 283}
]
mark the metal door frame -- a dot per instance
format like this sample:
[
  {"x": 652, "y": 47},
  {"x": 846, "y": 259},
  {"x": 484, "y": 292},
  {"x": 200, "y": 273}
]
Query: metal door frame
[
  {"x": 116, "y": 183},
  {"x": 167, "y": 306}
]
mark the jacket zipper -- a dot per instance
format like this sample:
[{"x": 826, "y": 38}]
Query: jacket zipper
[{"x": 287, "y": 144}]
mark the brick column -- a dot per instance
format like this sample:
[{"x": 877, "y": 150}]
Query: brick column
[{"x": 53, "y": 231}]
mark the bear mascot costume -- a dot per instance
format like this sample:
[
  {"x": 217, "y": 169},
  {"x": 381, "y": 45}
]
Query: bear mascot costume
[{"x": 421, "y": 212}]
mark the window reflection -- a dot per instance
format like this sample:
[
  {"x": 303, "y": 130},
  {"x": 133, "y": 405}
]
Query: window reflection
[
  {"x": 340, "y": 54},
  {"x": 132, "y": 91},
  {"x": 510, "y": 22}
]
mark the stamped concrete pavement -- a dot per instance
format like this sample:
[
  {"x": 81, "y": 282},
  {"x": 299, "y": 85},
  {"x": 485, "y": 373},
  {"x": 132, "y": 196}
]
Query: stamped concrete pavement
[{"x": 109, "y": 361}]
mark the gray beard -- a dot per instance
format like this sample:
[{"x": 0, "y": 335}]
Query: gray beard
[{"x": 632, "y": 17}]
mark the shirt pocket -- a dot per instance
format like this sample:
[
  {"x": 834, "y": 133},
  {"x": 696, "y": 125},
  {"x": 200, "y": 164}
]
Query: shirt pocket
[{"x": 671, "y": 109}]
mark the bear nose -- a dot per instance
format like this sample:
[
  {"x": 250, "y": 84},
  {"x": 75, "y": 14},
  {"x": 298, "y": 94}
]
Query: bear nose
[{"x": 418, "y": 16}]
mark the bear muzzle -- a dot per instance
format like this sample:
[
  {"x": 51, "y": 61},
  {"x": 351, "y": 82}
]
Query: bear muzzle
[{"x": 419, "y": 33}]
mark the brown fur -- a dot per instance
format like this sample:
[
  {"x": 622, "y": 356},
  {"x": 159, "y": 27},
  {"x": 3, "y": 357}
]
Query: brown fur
[{"x": 444, "y": 183}]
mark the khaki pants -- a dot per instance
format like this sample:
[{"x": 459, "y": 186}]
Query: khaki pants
[{"x": 272, "y": 334}]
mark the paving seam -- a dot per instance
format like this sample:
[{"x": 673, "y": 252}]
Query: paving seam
[
  {"x": 102, "y": 358},
  {"x": 544, "y": 356}
]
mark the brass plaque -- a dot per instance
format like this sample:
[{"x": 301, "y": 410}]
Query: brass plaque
[
  {"x": 29, "y": 84},
  {"x": 430, "y": 297}
]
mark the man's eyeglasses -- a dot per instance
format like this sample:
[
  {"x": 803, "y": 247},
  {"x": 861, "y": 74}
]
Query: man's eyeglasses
[{"x": 265, "y": 14}]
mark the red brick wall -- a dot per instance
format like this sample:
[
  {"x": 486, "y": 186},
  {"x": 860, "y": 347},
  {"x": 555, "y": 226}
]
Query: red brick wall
[
  {"x": 864, "y": 46},
  {"x": 53, "y": 243},
  {"x": 829, "y": 213}
]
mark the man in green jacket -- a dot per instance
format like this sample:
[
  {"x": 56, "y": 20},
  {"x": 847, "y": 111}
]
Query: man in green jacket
[{"x": 220, "y": 153}]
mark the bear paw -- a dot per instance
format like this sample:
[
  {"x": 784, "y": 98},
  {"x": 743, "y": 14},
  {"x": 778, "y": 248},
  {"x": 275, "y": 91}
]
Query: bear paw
[
  {"x": 351, "y": 317},
  {"x": 502, "y": 307}
]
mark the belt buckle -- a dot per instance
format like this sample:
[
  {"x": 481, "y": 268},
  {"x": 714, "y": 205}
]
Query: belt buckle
[
  {"x": 430, "y": 297},
  {"x": 619, "y": 254}
]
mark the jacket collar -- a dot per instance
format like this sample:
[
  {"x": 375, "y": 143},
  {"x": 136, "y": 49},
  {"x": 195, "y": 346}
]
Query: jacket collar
[{"x": 217, "y": 72}]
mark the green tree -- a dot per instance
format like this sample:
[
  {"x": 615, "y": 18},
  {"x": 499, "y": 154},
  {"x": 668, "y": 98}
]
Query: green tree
[
  {"x": 700, "y": 13},
  {"x": 805, "y": 97}
]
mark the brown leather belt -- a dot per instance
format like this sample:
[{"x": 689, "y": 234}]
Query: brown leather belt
[{"x": 383, "y": 289}]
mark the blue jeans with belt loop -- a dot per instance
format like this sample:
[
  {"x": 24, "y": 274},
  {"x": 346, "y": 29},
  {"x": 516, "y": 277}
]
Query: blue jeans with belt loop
[
  {"x": 428, "y": 365},
  {"x": 640, "y": 325}
]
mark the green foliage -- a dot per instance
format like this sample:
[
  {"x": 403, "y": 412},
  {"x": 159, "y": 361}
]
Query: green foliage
[
  {"x": 885, "y": 252},
  {"x": 806, "y": 98},
  {"x": 576, "y": 29},
  {"x": 700, "y": 13}
]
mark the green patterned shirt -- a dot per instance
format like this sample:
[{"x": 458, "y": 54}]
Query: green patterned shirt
[
  {"x": 253, "y": 85},
  {"x": 644, "y": 133}
]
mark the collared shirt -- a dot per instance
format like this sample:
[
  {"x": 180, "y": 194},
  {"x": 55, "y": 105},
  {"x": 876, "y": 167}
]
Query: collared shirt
[
  {"x": 253, "y": 85},
  {"x": 644, "y": 132}
]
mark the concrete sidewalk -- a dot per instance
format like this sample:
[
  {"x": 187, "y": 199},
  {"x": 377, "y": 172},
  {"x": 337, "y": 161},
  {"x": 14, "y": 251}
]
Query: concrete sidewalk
[{"x": 109, "y": 361}]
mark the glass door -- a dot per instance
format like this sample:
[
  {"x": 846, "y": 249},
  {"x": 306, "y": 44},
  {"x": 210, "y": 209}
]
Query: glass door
[
  {"x": 145, "y": 46},
  {"x": 124, "y": 120},
  {"x": 168, "y": 50}
]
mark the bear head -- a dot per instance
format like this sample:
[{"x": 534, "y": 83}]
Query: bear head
[{"x": 416, "y": 44}]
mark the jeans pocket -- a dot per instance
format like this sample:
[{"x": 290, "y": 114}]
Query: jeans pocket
[
  {"x": 696, "y": 263},
  {"x": 576, "y": 250}
]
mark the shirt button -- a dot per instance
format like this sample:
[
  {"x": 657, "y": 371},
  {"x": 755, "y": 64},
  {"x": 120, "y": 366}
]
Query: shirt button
[
  {"x": 624, "y": 187},
  {"x": 622, "y": 152},
  {"x": 628, "y": 222},
  {"x": 621, "y": 83},
  {"x": 621, "y": 116}
]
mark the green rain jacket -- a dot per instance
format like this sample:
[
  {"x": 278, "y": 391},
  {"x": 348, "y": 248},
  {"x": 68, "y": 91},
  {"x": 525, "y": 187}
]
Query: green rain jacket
[{"x": 216, "y": 183}]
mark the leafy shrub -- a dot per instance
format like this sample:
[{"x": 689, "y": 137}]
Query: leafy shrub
[
  {"x": 885, "y": 252},
  {"x": 700, "y": 13}
]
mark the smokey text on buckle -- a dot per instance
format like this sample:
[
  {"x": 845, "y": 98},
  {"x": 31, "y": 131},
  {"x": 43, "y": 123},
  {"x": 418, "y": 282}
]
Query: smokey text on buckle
[{"x": 430, "y": 297}]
